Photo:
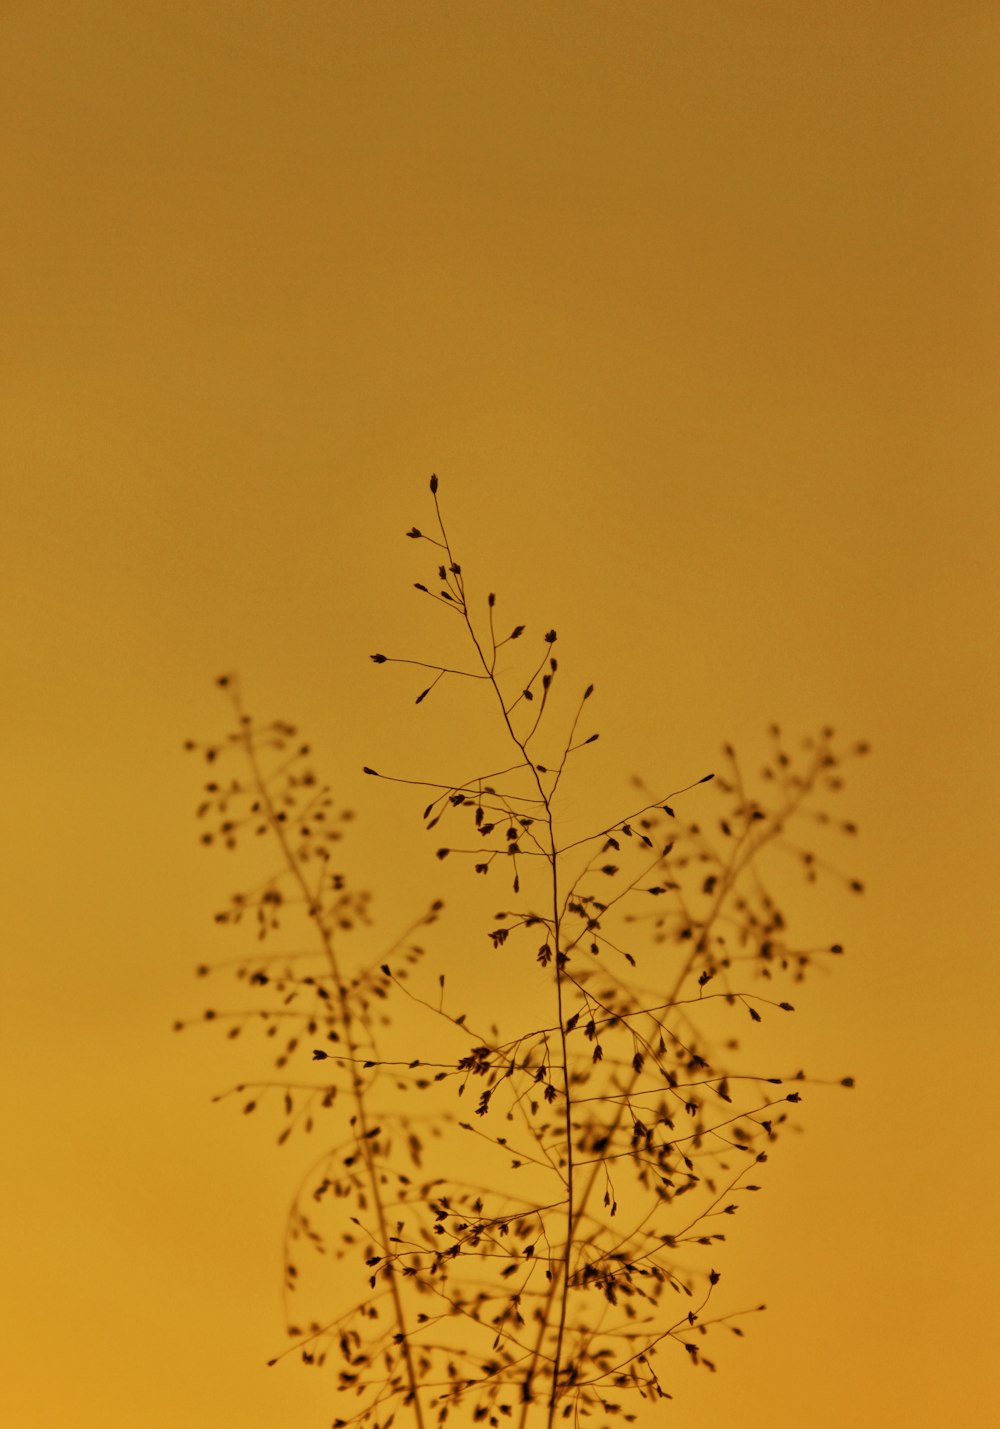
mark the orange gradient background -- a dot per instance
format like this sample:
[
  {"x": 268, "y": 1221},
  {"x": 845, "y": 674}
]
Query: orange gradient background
[{"x": 693, "y": 309}]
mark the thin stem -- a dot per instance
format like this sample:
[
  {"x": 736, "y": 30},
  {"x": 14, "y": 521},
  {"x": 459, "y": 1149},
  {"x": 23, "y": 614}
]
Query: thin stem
[
  {"x": 315, "y": 911},
  {"x": 552, "y": 854}
]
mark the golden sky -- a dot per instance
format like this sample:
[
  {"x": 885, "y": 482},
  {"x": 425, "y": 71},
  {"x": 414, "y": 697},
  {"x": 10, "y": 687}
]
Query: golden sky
[{"x": 693, "y": 308}]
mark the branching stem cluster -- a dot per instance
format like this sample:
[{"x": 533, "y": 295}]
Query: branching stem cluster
[{"x": 613, "y": 1135}]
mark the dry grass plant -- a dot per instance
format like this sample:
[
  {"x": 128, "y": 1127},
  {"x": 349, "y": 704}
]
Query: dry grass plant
[{"x": 614, "y": 1133}]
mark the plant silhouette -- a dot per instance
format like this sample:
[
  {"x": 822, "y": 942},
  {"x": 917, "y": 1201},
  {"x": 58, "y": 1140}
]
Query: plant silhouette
[
  {"x": 309, "y": 996},
  {"x": 613, "y": 1134}
]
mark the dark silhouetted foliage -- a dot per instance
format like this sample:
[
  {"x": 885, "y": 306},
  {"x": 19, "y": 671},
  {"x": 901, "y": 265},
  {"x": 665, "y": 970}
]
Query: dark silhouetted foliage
[{"x": 614, "y": 1133}]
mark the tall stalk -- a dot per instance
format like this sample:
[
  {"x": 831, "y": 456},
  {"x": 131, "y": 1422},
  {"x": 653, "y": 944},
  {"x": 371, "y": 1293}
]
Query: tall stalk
[
  {"x": 488, "y": 663},
  {"x": 343, "y": 1018},
  {"x": 314, "y": 909}
]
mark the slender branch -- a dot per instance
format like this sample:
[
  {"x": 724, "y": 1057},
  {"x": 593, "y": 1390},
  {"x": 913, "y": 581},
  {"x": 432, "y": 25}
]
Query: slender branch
[{"x": 315, "y": 910}]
